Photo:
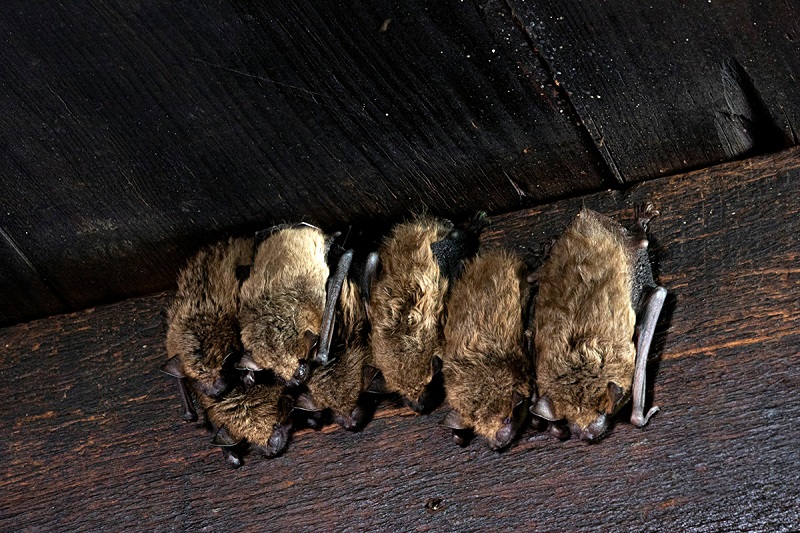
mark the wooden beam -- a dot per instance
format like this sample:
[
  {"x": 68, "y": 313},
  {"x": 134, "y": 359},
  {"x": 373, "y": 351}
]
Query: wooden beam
[
  {"x": 665, "y": 87},
  {"x": 92, "y": 438},
  {"x": 135, "y": 133}
]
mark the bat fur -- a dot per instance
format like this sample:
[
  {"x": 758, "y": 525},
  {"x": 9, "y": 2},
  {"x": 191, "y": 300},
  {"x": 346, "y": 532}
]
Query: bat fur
[
  {"x": 595, "y": 281},
  {"x": 339, "y": 386},
  {"x": 487, "y": 372},
  {"x": 257, "y": 416},
  {"x": 407, "y": 306},
  {"x": 283, "y": 300},
  {"x": 203, "y": 330}
]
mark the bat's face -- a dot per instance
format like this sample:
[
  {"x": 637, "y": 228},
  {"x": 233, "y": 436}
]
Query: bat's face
[
  {"x": 208, "y": 348},
  {"x": 586, "y": 386},
  {"x": 502, "y": 419},
  {"x": 275, "y": 339},
  {"x": 418, "y": 383},
  {"x": 491, "y": 400}
]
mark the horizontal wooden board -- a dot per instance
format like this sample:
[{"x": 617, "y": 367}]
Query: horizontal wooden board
[
  {"x": 133, "y": 132},
  {"x": 93, "y": 438},
  {"x": 669, "y": 86}
]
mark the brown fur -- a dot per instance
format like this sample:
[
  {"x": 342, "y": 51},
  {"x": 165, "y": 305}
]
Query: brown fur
[
  {"x": 407, "y": 306},
  {"x": 484, "y": 361},
  {"x": 202, "y": 319},
  {"x": 338, "y": 387},
  {"x": 257, "y": 414},
  {"x": 584, "y": 319},
  {"x": 284, "y": 298}
]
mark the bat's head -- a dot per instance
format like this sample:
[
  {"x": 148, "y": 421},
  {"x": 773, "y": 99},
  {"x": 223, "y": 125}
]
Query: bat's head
[
  {"x": 208, "y": 347},
  {"x": 420, "y": 385},
  {"x": 282, "y": 428},
  {"x": 492, "y": 401},
  {"x": 592, "y": 385},
  {"x": 279, "y": 335}
]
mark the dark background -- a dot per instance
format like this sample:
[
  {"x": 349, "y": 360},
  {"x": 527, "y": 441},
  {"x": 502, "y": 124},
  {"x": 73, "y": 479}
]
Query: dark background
[{"x": 133, "y": 132}]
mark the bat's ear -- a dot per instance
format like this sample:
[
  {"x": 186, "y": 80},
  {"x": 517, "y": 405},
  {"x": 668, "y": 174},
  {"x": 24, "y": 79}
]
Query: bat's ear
[
  {"x": 373, "y": 380},
  {"x": 248, "y": 363},
  {"x": 285, "y": 408},
  {"x": 223, "y": 438},
  {"x": 519, "y": 409},
  {"x": 616, "y": 396},
  {"x": 305, "y": 402},
  {"x": 312, "y": 342},
  {"x": 517, "y": 398},
  {"x": 436, "y": 365},
  {"x": 173, "y": 367},
  {"x": 543, "y": 408},
  {"x": 453, "y": 420},
  {"x": 231, "y": 357}
]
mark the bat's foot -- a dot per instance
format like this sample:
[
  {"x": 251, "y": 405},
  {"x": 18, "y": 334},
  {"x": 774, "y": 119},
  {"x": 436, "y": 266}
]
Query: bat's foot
[
  {"x": 231, "y": 457},
  {"x": 640, "y": 419},
  {"x": 189, "y": 416},
  {"x": 461, "y": 437},
  {"x": 301, "y": 373},
  {"x": 644, "y": 213}
]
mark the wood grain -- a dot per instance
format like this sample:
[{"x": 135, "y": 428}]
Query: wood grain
[
  {"x": 93, "y": 438},
  {"x": 25, "y": 292},
  {"x": 665, "y": 86},
  {"x": 134, "y": 132}
]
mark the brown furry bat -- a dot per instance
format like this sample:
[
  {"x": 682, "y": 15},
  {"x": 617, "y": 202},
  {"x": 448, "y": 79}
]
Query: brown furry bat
[
  {"x": 283, "y": 302},
  {"x": 487, "y": 373},
  {"x": 203, "y": 331},
  {"x": 257, "y": 417},
  {"x": 339, "y": 387},
  {"x": 591, "y": 346},
  {"x": 406, "y": 309}
]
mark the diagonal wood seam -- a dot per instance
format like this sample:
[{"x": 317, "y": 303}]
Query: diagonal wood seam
[
  {"x": 14, "y": 246},
  {"x": 603, "y": 153}
]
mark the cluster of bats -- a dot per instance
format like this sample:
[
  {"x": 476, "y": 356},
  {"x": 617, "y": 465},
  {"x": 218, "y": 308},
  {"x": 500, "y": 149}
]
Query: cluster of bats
[{"x": 293, "y": 327}]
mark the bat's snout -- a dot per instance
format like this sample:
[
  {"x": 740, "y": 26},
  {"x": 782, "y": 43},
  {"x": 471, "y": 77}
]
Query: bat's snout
[{"x": 594, "y": 432}]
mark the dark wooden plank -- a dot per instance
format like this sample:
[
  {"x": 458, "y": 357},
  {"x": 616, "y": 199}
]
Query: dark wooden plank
[
  {"x": 93, "y": 439},
  {"x": 131, "y": 133},
  {"x": 25, "y": 294},
  {"x": 665, "y": 86}
]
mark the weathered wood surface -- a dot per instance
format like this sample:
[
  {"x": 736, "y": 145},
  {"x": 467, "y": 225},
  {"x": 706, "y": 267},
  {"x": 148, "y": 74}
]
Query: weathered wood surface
[
  {"x": 132, "y": 132},
  {"x": 92, "y": 438},
  {"x": 665, "y": 86}
]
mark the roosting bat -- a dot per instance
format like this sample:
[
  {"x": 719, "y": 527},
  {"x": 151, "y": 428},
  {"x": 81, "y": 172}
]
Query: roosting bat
[
  {"x": 596, "y": 311},
  {"x": 487, "y": 372},
  {"x": 202, "y": 327},
  {"x": 406, "y": 308},
  {"x": 340, "y": 386},
  {"x": 285, "y": 306},
  {"x": 256, "y": 418}
]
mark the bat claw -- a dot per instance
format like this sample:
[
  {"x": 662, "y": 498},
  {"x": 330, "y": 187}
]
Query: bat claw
[{"x": 640, "y": 419}]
